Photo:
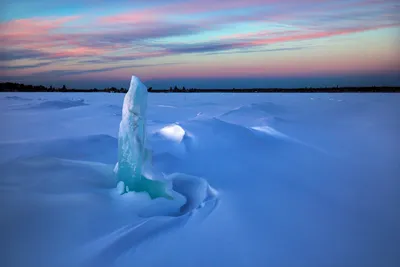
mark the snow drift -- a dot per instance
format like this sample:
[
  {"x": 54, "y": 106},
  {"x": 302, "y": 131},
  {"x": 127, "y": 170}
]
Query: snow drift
[{"x": 305, "y": 181}]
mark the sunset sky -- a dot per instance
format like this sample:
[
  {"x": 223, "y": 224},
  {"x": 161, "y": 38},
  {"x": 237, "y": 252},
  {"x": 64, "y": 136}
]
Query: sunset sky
[{"x": 202, "y": 43}]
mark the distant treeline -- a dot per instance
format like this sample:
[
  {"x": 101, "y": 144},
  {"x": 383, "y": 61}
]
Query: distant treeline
[
  {"x": 372, "y": 89},
  {"x": 17, "y": 87}
]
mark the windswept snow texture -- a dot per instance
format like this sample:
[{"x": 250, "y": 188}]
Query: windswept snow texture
[{"x": 301, "y": 180}]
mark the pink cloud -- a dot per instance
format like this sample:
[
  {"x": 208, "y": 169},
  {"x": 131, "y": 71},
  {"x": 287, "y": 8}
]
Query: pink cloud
[
  {"x": 33, "y": 26},
  {"x": 77, "y": 52},
  {"x": 43, "y": 35},
  {"x": 32, "y": 32},
  {"x": 145, "y": 16}
]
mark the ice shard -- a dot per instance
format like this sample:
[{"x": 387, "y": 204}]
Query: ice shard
[{"x": 133, "y": 155}]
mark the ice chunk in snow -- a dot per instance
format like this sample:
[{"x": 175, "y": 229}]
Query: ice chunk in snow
[
  {"x": 132, "y": 153},
  {"x": 173, "y": 132}
]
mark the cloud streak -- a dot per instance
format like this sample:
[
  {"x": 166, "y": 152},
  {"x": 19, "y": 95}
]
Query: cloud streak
[
  {"x": 297, "y": 36},
  {"x": 61, "y": 73},
  {"x": 29, "y": 66},
  {"x": 15, "y": 54}
]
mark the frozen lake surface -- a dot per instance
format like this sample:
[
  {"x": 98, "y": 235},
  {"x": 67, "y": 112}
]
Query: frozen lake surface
[{"x": 302, "y": 180}]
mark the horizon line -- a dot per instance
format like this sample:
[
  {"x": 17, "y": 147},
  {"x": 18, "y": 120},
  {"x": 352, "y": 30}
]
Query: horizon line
[{"x": 20, "y": 87}]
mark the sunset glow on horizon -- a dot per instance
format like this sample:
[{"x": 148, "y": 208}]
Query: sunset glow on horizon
[{"x": 90, "y": 43}]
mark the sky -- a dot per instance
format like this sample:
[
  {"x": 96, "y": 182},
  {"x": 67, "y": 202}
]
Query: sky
[{"x": 200, "y": 43}]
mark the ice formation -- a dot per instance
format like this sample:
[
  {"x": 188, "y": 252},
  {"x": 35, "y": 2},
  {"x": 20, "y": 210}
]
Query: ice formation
[{"x": 133, "y": 156}]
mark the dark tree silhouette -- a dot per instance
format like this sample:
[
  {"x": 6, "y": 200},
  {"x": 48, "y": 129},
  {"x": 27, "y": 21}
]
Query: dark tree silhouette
[{"x": 16, "y": 87}]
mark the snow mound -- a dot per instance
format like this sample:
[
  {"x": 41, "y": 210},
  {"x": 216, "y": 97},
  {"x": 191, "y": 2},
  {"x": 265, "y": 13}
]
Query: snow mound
[
  {"x": 256, "y": 114},
  {"x": 173, "y": 140},
  {"x": 173, "y": 132},
  {"x": 17, "y": 98},
  {"x": 225, "y": 134},
  {"x": 229, "y": 144},
  {"x": 265, "y": 107}
]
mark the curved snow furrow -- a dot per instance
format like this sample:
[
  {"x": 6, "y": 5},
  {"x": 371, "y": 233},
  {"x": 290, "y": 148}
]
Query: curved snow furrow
[
  {"x": 106, "y": 250},
  {"x": 61, "y": 186}
]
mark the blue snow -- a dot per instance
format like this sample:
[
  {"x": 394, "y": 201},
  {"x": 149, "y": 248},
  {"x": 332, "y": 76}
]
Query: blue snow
[{"x": 256, "y": 179}]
